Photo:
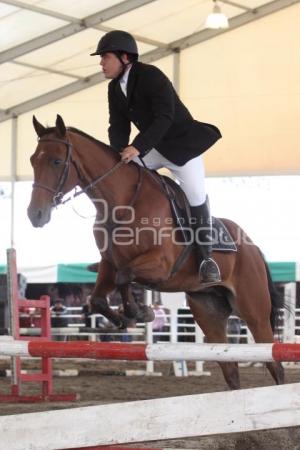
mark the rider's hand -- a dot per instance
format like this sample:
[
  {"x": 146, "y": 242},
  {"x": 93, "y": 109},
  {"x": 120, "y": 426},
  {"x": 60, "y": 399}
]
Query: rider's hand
[{"x": 129, "y": 153}]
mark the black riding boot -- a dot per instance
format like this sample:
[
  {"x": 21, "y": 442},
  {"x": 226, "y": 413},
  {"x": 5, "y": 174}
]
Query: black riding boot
[{"x": 202, "y": 224}]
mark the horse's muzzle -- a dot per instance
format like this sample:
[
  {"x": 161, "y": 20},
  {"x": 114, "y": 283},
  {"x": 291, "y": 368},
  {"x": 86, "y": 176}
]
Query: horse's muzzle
[{"x": 38, "y": 216}]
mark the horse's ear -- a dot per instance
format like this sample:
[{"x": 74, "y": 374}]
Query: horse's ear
[
  {"x": 60, "y": 126},
  {"x": 39, "y": 128}
]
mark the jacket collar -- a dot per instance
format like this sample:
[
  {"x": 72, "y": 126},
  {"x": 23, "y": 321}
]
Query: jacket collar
[
  {"x": 131, "y": 81},
  {"x": 130, "y": 85}
]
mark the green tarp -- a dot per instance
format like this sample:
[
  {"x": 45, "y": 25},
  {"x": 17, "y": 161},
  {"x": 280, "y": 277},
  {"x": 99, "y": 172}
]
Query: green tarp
[
  {"x": 77, "y": 273},
  {"x": 283, "y": 271}
]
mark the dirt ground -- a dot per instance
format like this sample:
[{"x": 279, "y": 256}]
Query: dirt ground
[{"x": 103, "y": 382}]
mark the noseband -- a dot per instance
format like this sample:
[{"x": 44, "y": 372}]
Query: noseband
[{"x": 58, "y": 192}]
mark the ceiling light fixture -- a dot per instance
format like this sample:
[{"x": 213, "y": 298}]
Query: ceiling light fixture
[{"x": 216, "y": 19}]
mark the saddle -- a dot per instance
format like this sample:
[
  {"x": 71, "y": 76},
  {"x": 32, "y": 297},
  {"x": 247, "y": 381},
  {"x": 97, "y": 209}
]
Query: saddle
[{"x": 181, "y": 211}]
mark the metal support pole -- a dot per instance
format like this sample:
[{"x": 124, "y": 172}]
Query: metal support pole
[
  {"x": 290, "y": 313},
  {"x": 149, "y": 332},
  {"x": 12, "y": 295},
  {"x": 13, "y": 176},
  {"x": 176, "y": 70}
]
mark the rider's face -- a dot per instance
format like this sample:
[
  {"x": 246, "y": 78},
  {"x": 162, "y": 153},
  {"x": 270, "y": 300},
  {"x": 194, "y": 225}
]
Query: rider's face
[{"x": 111, "y": 65}]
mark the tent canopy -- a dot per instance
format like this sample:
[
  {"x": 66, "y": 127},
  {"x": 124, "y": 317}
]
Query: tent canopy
[{"x": 245, "y": 79}]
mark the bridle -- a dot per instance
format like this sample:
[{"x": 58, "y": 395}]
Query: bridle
[{"x": 58, "y": 192}]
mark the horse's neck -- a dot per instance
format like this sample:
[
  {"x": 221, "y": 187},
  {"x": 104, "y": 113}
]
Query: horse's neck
[{"x": 95, "y": 161}]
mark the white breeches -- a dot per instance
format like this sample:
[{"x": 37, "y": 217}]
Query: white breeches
[{"x": 190, "y": 176}]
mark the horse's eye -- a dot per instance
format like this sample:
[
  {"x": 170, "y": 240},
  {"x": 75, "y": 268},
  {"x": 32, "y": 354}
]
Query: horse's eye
[{"x": 57, "y": 162}]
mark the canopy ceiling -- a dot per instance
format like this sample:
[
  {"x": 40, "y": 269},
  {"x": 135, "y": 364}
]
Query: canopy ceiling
[{"x": 245, "y": 79}]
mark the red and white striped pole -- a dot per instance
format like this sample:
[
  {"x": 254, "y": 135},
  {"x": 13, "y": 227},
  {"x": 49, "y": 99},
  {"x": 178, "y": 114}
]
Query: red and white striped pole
[{"x": 153, "y": 352}]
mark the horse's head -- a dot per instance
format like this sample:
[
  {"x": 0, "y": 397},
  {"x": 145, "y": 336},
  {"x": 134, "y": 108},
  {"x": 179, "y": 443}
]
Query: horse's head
[{"x": 54, "y": 175}]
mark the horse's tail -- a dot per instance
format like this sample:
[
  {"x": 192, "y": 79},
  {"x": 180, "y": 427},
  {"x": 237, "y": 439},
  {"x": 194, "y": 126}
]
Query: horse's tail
[{"x": 277, "y": 300}]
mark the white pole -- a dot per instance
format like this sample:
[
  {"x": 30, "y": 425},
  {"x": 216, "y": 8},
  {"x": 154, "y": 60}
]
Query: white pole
[
  {"x": 289, "y": 318},
  {"x": 149, "y": 332},
  {"x": 12, "y": 293},
  {"x": 289, "y": 314},
  {"x": 183, "y": 417},
  {"x": 199, "y": 340},
  {"x": 93, "y": 336},
  {"x": 179, "y": 365},
  {"x": 13, "y": 177}
]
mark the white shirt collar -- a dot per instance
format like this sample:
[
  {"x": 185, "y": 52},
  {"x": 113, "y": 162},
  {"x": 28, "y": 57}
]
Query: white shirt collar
[{"x": 124, "y": 80}]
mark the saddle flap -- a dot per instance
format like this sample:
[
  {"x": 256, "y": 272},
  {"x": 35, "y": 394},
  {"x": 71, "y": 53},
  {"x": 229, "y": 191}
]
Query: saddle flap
[{"x": 221, "y": 238}]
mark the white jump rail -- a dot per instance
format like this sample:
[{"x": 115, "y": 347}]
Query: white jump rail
[
  {"x": 151, "y": 420},
  {"x": 153, "y": 352},
  {"x": 108, "y": 447}
]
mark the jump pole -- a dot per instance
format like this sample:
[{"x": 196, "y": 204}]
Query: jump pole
[
  {"x": 119, "y": 447},
  {"x": 153, "y": 352},
  {"x": 151, "y": 420}
]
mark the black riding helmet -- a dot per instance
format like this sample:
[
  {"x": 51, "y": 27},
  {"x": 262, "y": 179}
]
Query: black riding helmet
[{"x": 116, "y": 41}]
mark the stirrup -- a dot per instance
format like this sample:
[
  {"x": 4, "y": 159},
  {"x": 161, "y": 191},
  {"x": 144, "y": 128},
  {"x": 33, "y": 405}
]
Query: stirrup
[{"x": 209, "y": 271}]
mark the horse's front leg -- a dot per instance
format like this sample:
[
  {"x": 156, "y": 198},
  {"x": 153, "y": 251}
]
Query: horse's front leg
[
  {"x": 152, "y": 267},
  {"x": 129, "y": 304},
  {"x": 132, "y": 310},
  {"x": 105, "y": 284}
]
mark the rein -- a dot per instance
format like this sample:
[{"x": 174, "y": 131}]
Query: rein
[
  {"x": 58, "y": 194},
  {"x": 95, "y": 181}
]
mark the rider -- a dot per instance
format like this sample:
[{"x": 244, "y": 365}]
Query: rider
[{"x": 168, "y": 135}]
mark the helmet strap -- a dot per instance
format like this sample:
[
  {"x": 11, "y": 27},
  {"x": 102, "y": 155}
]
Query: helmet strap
[{"x": 124, "y": 65}]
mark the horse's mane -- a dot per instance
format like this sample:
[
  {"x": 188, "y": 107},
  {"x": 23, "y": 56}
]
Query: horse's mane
[
  {"x": 88, "y": 136},
  {"x": 83, "y": 134}
]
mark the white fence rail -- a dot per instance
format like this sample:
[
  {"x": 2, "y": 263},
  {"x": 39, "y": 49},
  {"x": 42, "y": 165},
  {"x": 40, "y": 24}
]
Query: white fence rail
[{"x": 179, "y": 327}]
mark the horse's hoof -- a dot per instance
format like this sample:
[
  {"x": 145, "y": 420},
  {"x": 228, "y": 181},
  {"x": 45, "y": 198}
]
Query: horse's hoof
[
  {"x": 145, "y": 314},
  {"x": 131, "y": 310},
  {"x": 124, "y": 322}
]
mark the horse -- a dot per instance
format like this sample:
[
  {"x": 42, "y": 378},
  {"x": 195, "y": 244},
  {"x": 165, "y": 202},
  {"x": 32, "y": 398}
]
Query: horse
[{"x": 134, "y": 233}]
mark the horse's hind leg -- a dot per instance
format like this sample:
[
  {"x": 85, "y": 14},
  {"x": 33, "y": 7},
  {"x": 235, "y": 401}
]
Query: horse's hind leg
[
  {"x": 262, "y": 333},
  {"x": 255, "y": 308},
  {"x": 211, "y": 312},
  {"x": 277, "y": 371}
]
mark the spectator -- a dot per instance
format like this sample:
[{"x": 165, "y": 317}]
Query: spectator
[
  {"x": 105, "y": 326},
  {"x": 159, "y": 322},
  {"x": 131, "y": 323},
  {"x": 58, "y": 311},
  {"x": 77, "y": 296},
  {"x": 101, "y": 322},
  {"x": 86, "y": 312}
]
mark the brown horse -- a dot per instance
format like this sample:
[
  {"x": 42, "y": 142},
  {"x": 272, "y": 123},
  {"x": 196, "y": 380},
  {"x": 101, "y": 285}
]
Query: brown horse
[{"x": 134, "y": 233}]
